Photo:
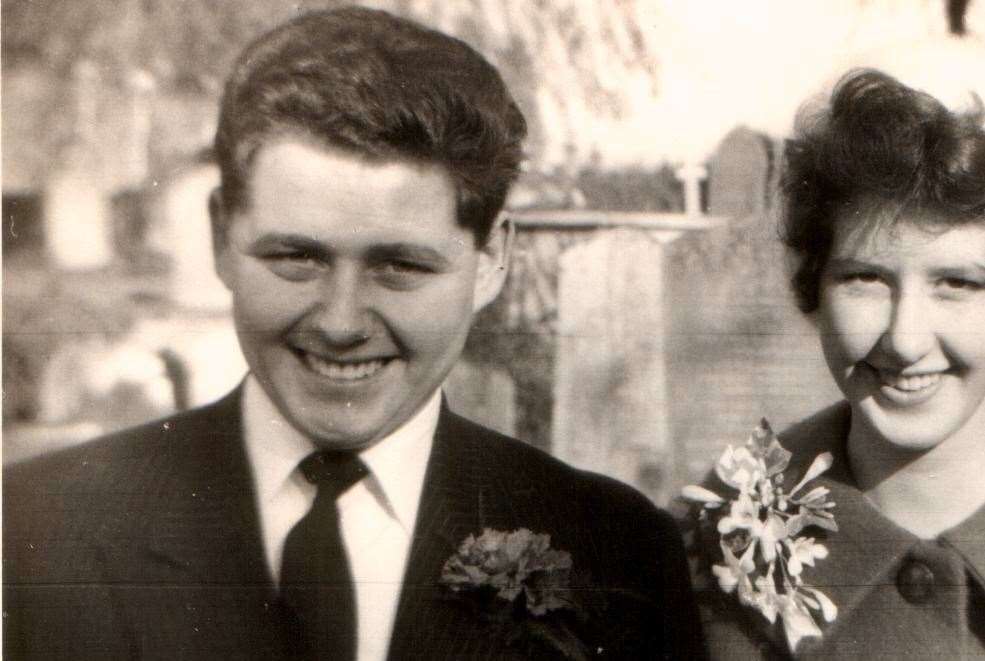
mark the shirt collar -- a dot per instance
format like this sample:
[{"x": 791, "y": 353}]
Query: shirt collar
[{"x": 398, "y": 462}]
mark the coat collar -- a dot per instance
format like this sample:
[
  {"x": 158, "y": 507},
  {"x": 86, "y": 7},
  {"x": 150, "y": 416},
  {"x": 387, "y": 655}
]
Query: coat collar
[
  {"x": 859, "y": 521},
  {"x": 868, "y": 548}
]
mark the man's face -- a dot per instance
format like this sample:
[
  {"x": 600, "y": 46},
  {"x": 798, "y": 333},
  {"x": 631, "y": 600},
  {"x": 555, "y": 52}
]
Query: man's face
[{"x": 353, "y": 287}]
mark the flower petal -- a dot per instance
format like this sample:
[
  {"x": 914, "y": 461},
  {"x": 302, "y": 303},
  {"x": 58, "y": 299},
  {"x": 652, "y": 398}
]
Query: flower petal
[
  {"x": 727, "y": 579},
  {"x": 701, "y": 495},
  {"x": 828, "y": 608},
  {"x": 820, "y": 464},
  {"x": 797, "y": 622}
]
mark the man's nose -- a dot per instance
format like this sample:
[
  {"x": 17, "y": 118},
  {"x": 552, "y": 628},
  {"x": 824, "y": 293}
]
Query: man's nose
[
  {"x": 341, "y": 316},
  {"x": 910, "y": 334}
]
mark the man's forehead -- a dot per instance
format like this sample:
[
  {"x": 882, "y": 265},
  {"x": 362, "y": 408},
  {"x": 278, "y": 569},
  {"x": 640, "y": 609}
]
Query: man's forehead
[{"x": 304, "y": 189}]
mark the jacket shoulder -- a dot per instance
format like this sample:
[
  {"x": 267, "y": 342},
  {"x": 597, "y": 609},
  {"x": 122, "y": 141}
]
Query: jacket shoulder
[
  {"x": 525, "y": 466},
  {"x": 115, "y": 456}
]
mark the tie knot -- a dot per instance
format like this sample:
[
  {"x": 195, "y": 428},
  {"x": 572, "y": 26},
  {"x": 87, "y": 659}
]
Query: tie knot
[{"x": 336, "y": 471}]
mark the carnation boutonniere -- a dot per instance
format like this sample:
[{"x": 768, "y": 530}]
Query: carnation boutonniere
[
  {"x": 761, "y": 553},
  {"x": 515, "y": 580}
]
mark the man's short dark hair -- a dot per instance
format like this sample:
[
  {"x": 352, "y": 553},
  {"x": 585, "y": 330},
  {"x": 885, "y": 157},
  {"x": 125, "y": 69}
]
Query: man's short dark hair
[
  {"x": 382, "y": 87},
  {"x": 884, "y": 150}
]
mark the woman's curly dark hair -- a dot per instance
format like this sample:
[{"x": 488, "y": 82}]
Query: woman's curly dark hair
[{"x": 884, "y": 145}]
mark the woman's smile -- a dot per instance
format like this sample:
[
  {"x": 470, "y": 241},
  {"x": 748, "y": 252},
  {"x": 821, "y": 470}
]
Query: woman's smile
[{"x": 908, "y": 390}]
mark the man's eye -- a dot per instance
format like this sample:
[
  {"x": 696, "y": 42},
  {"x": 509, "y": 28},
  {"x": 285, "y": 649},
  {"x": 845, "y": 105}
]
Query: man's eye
[
  {"x": 404, "y": 266},
  {"x": 861, "y": 277},
  {"x": 403, "y": 274},
  {"x": 960, "y": 286},
  {"x": 294, "y": 266}
]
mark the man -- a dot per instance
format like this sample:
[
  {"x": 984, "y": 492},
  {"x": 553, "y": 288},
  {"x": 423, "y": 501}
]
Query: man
[{"x": 365, "y": 161}]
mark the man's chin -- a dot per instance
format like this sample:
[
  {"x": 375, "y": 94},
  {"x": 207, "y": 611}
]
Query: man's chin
[
  {"x": 344, "y": 427},
  {"x": 343, "y": 438}
]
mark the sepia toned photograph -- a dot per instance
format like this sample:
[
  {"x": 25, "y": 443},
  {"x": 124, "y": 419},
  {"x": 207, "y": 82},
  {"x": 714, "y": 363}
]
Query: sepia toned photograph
[{"x": 493, "y": 329}]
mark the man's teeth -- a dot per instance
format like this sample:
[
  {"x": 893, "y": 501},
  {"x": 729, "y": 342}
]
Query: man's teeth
[
  {"x": 911, "y": 383},
  {"x": 343, "y": 371}
]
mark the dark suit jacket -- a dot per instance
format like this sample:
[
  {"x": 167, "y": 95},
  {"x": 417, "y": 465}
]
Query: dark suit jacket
[{"x": 145, "y": 544}]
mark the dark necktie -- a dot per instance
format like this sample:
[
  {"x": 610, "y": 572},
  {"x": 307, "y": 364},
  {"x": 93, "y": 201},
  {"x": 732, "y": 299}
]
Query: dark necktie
[{"x": 315, "y": 584}]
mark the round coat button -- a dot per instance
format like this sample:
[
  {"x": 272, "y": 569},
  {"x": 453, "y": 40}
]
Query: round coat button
[{"x": 915, "y": 581}]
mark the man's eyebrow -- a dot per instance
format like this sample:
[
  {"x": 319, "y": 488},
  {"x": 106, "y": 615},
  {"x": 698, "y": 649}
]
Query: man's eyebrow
[
  {"x": 275, "y": 240},
  {"x": 410, "y": 251},
  {"x": 842, "y": 263},
  {"x": 977, "y": 267}
]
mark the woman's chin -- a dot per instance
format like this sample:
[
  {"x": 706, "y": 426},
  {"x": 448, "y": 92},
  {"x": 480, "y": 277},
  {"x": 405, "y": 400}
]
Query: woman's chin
[{"x": 913, "y": 429}]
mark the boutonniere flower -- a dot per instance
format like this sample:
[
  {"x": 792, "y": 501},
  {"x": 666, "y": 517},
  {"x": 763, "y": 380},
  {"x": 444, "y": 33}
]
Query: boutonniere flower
[
  {"x": 762, "y": 551},
  {"x": 516, "y": 580}
]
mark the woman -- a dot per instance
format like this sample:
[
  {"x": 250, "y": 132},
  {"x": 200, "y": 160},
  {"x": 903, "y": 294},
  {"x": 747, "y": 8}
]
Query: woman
[{"x": 885, "y": 217}]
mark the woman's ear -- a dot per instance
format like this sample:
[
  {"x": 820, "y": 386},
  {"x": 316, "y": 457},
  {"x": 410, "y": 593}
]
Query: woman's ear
[{"x": 494, "y": 262}]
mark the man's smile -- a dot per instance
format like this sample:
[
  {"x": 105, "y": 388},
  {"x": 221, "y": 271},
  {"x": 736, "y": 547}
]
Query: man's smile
[{"x": 347, "y": 371}]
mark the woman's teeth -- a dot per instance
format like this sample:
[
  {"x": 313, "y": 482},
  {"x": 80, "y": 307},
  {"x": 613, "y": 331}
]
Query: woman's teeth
[{"x": 343, "y": 371}]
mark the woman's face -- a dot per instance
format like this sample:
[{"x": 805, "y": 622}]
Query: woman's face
[{"x": 902, "y": 322}]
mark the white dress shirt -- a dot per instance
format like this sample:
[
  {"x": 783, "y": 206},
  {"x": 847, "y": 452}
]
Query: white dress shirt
[{"x": 377, "y": 515}]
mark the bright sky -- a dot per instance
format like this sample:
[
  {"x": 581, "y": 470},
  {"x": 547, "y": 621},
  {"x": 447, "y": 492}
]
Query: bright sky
[{"x": 727, "y": 62}]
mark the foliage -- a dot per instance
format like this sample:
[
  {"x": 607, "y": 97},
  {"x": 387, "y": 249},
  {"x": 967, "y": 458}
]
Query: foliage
[
  {"x": 563, "y": 60},
  {"x": 180, "y": 42}
]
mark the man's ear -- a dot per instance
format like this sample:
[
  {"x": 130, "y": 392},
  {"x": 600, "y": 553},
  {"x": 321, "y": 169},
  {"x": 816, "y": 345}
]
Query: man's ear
[
  {"x": 219, "y": 219},
  {"x": 494, "y": 262}
]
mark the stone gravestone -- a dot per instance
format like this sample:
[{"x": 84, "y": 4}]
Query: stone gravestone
[
  {"x": 739, "y": 174},
  {"x": 610, "y": 409}
]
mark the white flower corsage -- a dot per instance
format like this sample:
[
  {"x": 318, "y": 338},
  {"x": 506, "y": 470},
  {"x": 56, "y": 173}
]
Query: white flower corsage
[{"x": 762, "y": 551}]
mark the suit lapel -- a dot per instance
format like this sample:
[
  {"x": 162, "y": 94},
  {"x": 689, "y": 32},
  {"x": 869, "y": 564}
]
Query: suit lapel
[
  {"x": 461, "y": 496},
  {"x": 209, "y": 531},
  {"x": 195, "y": 565}
]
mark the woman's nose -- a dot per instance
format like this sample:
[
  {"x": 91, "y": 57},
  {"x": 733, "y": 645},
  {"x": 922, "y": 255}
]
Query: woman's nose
[{"x": 910, "y": 334}]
